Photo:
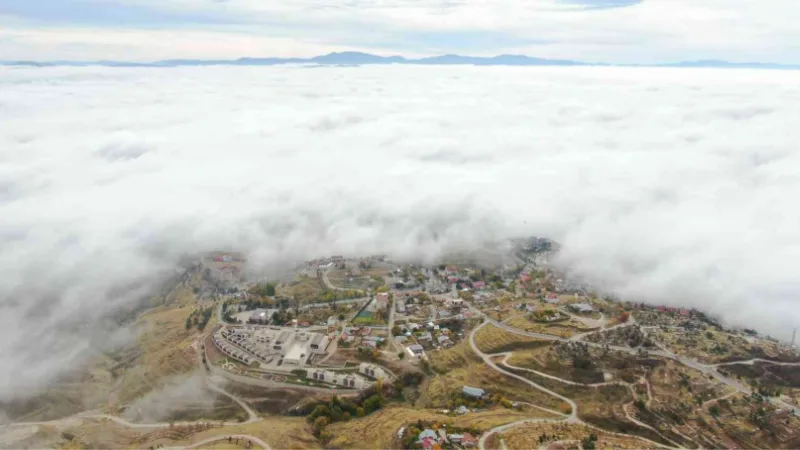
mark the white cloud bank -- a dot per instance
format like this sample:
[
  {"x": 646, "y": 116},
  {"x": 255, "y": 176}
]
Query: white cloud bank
[{"x": 673, "y": 186}]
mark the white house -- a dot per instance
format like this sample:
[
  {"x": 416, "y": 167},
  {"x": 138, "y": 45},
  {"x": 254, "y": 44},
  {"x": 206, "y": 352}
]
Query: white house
[
  {"x": 581, "y": 307},
  {"x": 415, "y": 350},
  {"x": 324, "y": 376},
  {"x": 351, "y": 381},
  {"x": 381, "y": 300},
  {"x": 372, "y": 371}
]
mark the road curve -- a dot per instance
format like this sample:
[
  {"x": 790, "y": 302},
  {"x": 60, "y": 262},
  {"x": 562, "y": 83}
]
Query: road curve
[
  {"x": 487, "y": 359},
  {"x": 258, "y": 441}
]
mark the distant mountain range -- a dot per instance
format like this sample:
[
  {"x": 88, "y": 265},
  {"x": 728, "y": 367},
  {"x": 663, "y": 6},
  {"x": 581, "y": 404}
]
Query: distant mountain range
[{"x": 358, "y": 58}]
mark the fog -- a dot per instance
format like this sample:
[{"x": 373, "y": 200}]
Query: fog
[
  {"x": 173, "y": 399},
  {"x": 671, "y": 186}
]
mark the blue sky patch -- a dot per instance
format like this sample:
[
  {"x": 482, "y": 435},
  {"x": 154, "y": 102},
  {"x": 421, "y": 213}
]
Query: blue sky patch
[
  {"x": 600, "y": 4},
  {"x": 84, "y": 12}
]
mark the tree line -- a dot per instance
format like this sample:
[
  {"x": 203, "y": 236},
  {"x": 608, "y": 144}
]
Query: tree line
[{"x": 199, "y": 318}]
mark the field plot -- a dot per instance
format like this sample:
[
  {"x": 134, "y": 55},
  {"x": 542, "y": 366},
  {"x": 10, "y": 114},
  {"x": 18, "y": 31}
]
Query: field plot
[
  {"x": 492, "y": 339},
  {"x": 305, "y": 290},
  {"x": 602, "y": 406},
  {"x": 574, "y": 362},
  {"x": 355, "y": 278},
  {"x": 444, "y": 390},
  {"x": 528, "y": 436},
  {"x": 567, "y": 327},
  {"x": 452, "y": 358},
  {"x": 379, "y": 430}
]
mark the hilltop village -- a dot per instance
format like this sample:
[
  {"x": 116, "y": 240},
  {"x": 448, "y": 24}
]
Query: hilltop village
[
  {"x": 357, "y": 324},
  {"x": 368, "y": 352}
]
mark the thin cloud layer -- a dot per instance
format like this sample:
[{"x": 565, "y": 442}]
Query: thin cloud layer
[
  {"x": 612, "y": 31},
  {"x": 667, "y": 186}
]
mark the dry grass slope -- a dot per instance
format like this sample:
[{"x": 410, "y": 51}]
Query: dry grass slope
[
  {"x": 379, "y": 430},
  {"x": 163, "y": 351},
  {"x": 453, "y": 358},
  {"x": 564, "y": 329},
  {"x": 291, "y": 433},
  {"x": 436, "y": 392},
  {"x": 491, "y": 339},
  {"x": 527, "y": 437}
]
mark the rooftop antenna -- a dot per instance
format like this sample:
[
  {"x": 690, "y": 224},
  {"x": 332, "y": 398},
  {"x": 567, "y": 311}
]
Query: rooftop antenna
[{"x": 794, "y": 333}]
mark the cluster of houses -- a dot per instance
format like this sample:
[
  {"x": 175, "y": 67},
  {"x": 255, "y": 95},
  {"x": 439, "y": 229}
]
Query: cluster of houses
[
  {"x": 361, "y": 337},
  {"x": 551, "y": 298},
  {"x": 680, "y": 311},
  {"x": 452, "y": 275},
  {"x": 311, "y": 267},
  {"x": 291, "y": 348},
  {"x": 430, "y": 439},
  {"x": 419, "y": 338},
  {"x": 226, "y": 273}
]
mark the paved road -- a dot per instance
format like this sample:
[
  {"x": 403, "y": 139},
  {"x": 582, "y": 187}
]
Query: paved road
[
  {"x": 390, "y": 325},
  {"x": 338, "y": 302},
  {"x": 508, "y": 426},
  {"x": 328, "y": 282},
  {"x": 750, "y": 362}
]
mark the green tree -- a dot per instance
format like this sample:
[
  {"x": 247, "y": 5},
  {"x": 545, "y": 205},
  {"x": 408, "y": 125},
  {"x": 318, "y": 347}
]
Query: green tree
[
  {"x": 320, "y": 423},
  {"x": 319, "y": 411},
  {"x": 373, "y": 404}
]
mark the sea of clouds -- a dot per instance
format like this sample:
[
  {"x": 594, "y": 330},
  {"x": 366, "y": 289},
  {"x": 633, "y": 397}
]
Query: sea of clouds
[{"x": 674, "y": 186}]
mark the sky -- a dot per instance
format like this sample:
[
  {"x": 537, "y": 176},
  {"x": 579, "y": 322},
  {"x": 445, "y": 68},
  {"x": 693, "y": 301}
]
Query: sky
[
  {"x": 667, "y": 186},
  {"x": 615, "y": 31}
]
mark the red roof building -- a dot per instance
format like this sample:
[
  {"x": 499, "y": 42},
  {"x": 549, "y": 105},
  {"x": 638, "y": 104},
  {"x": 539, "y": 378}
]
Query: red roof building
[{"x": 469, "y": 440}]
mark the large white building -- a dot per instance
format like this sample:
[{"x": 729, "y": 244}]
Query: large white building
[
  {"x": 248, "y": 344},
  {"x": 296, "y": 356}
]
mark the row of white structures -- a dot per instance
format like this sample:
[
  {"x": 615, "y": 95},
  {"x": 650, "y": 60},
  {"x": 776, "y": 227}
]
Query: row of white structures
[
  {"x": 265, "y": 345},
  {"x": 349, "y": 380}
]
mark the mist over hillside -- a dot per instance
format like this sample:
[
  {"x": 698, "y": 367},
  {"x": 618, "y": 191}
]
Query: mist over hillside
[{"x": 662, "y": 185}]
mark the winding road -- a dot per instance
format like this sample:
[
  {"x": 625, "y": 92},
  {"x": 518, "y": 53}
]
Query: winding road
[
  {"x": 707, "y": 369},
  {"x": 571, "y": 418}
]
